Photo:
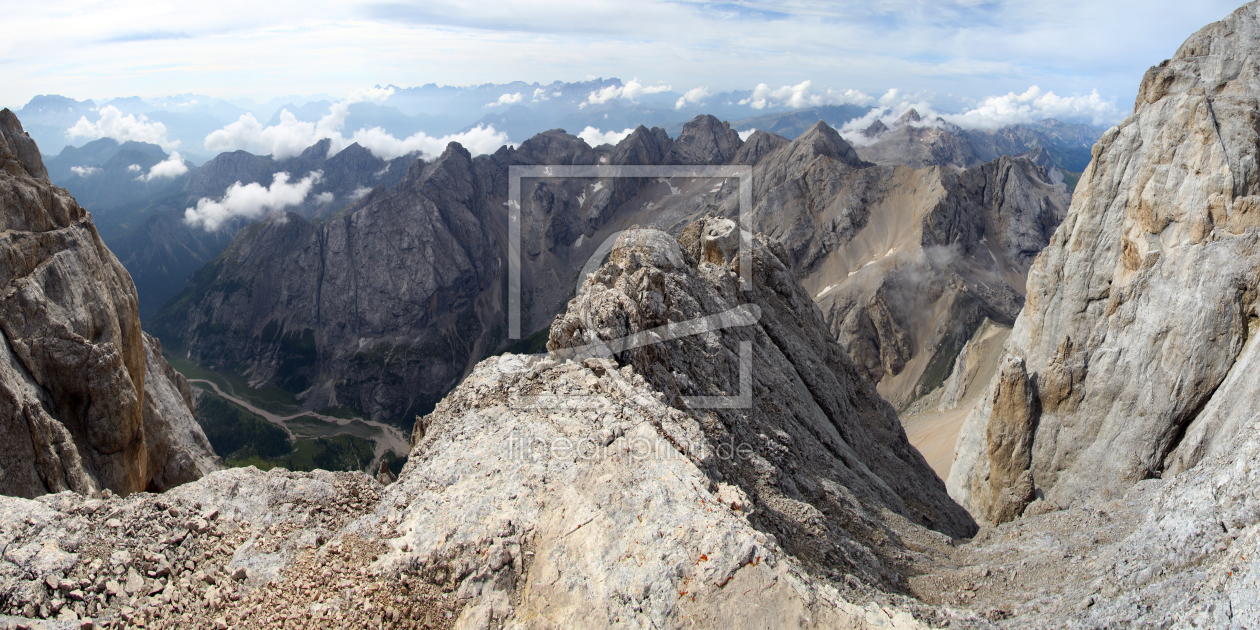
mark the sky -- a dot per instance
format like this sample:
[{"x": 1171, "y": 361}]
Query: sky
[{"x": 953, "y": 53}]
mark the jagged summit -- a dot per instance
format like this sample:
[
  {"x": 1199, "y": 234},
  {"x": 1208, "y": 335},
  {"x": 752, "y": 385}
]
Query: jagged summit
[
  {"x": 18, "y": 150},
  {"x": 705, "y": 140},
  {"x": 909, "y": 117},
  {"x": 875, "y": 129}
]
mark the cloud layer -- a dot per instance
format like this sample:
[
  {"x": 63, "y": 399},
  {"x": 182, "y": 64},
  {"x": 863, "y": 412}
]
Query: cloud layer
[
  {"x": 802, "y": 95},
  {"x": 630, "y": 91},
  {"x": 112, "y": 124},
  {"x": 508, "y": 99},
  {"x": 694, "y": 96},
  {"x": 251, "y": 201},
  {"x": 961, "y": 47},
  {"x": 292, "y": 136}
]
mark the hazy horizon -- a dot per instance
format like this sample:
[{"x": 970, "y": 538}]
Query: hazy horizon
[{"x": 955, "y": 54}]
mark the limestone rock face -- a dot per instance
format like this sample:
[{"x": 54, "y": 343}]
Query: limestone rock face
[
  {"x": 83, "y": 407},
  {"x": 1141, "y": 310}
]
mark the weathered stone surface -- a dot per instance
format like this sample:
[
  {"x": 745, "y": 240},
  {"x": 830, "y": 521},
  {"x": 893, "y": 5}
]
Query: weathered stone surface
[
  {"x": 1139, "y": 310},
  {"x": 83, "y": 406}
]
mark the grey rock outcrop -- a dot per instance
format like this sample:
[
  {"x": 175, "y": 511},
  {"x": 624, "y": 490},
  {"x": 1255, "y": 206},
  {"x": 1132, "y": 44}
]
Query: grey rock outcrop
[
  {"x": 832, "y": 414},
  {"x": 1141, "y": 311},
  {"x": 323, "y": 308},
  {"x": 84, "y": 408}
]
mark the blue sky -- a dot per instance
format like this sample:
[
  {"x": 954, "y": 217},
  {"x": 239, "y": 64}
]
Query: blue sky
[{"x": 953, "y": 54}]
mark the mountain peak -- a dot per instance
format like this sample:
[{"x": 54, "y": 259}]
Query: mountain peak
[
  {"x": 822, "y": 139},
  {"x": 911, "y": 116},
  {"x": 878, "y": 127},
  {"x": 17, "y": 148},
  {"x": 705, "y": 140}
]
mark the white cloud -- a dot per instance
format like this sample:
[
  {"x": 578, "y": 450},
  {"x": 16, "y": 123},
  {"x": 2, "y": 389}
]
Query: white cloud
[
  {"x": 84, "y": 171},
  {"x": 359, "y": 193},
  {"x": 694, "y": 95},
  {"x": 378, "y": 94},
  {"x": 631, "y": 91},
  {"x": 991, "y": 113},
  {"x": 743, "y": 135},
  {"x": 112, "y": 124},
  {"x": 595, "y": 137},
  {"x": 250, "y": 200},
  {"x": 478, "y": 140},
  {"x": 508, "y": 99},
  {"x": 324, "y": 198},
  {"x": 802, "y": 95},
  {"x": 1033, "y": 105},
  {"x": 292, "y": 136},
  {"x": 135, "y": 168},
  {"x": 238, "y": 135},
  {"x": 172, "y": 166}
]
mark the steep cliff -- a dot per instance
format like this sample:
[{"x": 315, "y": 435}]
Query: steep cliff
[
  {"x": 86, "y": 400},
  {"x": 1136, "y": 339}
]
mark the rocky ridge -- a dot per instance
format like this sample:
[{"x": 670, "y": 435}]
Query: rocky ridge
[{"x": 86, "y": 400}]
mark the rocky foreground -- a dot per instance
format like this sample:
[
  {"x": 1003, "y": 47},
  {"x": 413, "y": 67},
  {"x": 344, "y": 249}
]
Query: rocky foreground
[{"x": 573, "y": 490}]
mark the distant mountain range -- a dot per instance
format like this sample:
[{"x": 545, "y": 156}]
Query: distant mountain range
[
  {"x": 140, "y": 211},
  {"x": 519, "y": 110}
]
